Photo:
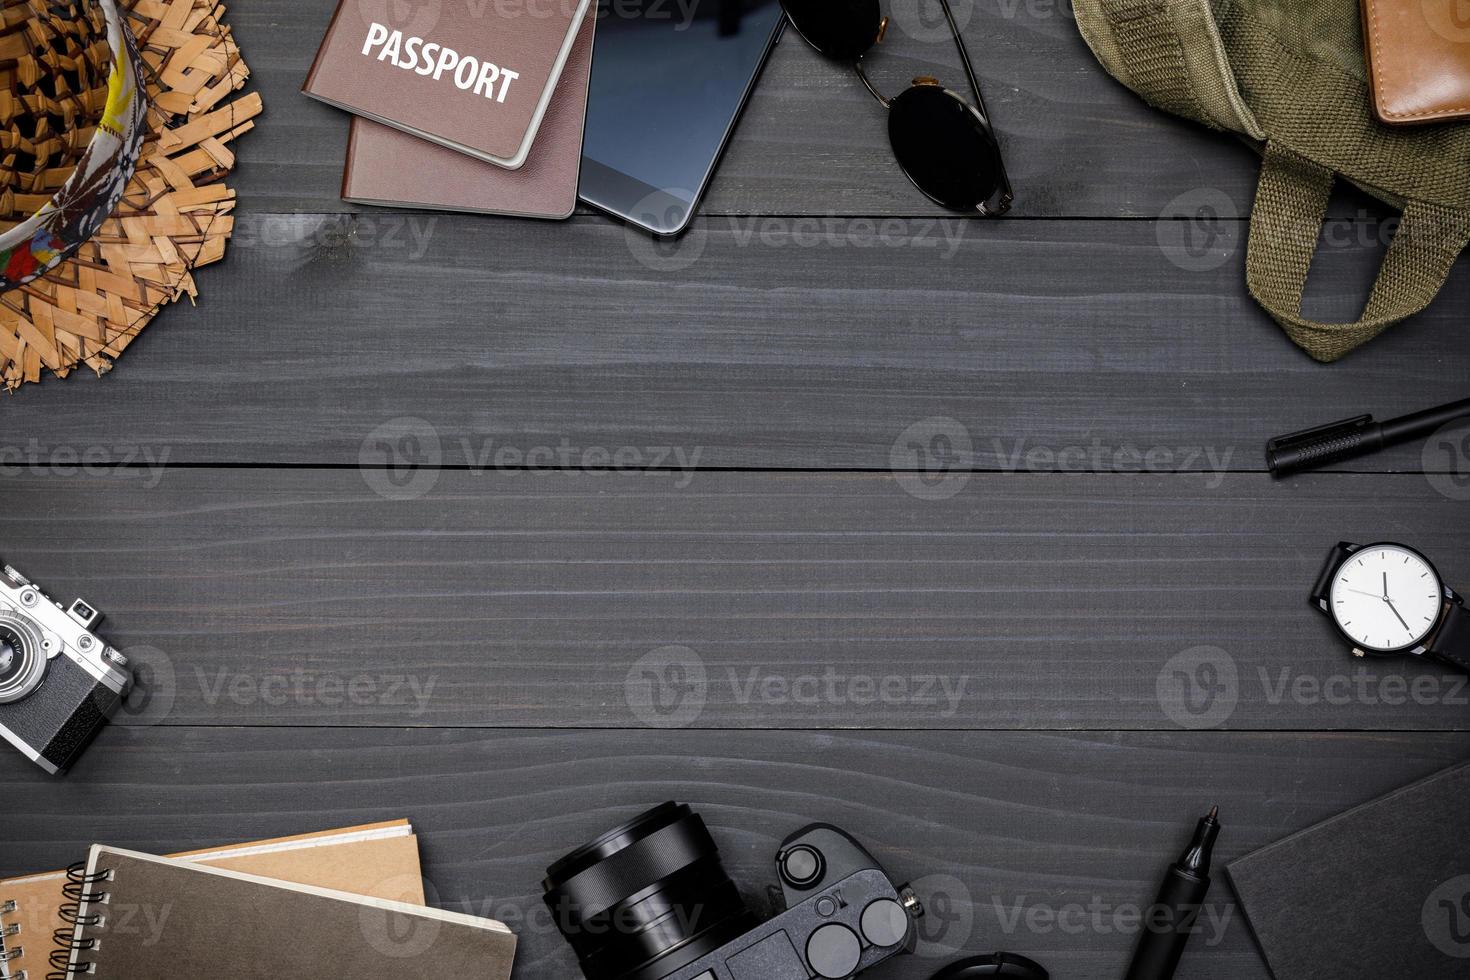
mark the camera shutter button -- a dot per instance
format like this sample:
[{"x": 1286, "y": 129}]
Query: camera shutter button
[
  {"x": 802, "y": 865},
  {"x": 834, "y": 951}
]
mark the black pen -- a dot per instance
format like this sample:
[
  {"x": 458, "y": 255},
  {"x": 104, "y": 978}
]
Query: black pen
[
  {"x": 1349, "y": 438},
  {"x": 1168, "y": 925}
]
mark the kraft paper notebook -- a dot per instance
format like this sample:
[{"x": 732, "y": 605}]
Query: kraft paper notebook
[
  {"x": 381, "y": 860},
  {"x": 165, "y": 919},
  {"x": 473, "y": 76},
  {"x": 389, "y": 167},
  {"x": 1381, "y": 891}
]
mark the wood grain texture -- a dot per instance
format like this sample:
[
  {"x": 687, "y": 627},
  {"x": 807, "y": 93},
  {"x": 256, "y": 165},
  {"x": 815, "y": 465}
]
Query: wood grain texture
[
  {"x": 737, "y": 600},
  {"x": 812, "y": 140},
  {"x": 999, "y": 831},
  {"x": 760, "y": 342}
]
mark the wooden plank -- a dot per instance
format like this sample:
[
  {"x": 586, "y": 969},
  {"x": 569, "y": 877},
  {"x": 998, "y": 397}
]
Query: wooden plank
[
  {"x": 729, "y": 600},
  {"x": 812, "y": 140},
  {"x": 1032, "y": 843},
  {"x": 761, "y": 342}
]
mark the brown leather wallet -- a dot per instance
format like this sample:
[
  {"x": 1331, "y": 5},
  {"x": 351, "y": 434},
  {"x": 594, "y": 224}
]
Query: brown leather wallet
[{"x": 1418, "y": 59}]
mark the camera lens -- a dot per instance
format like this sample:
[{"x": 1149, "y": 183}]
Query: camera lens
[
  {"x": 647, "y": 898},
  {"x": 22, "y": 663}
]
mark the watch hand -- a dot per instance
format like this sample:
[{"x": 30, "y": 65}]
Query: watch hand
[
  {"x": 1371, "y": 595},
  {"x": 1396, "y": 613},
  {"x": 1385, "y": 585}
]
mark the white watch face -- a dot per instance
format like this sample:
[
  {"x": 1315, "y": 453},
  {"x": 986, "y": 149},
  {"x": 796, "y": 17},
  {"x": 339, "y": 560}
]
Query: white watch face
[{"x": 1386, "y": 597}]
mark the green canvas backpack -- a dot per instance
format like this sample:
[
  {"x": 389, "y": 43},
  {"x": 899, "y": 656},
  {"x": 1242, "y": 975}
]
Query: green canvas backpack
[{"x": 1291, "y": 76}]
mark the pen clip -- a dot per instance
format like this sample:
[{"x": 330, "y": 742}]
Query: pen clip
[{"x": 1306, "y": 435}]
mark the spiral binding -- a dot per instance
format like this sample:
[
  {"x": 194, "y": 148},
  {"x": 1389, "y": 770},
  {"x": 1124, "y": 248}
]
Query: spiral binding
[
  {"x": 9, "y": 950},
  {"x": 79, "y": 895}
]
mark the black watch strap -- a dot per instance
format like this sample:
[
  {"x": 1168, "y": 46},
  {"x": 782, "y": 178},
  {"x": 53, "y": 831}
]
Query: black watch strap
[
  {"x": 1323, "y": 586},
  {"x": 1451, "y": 642}
]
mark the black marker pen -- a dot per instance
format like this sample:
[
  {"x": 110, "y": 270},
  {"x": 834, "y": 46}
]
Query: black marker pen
[
  {"x": 1168, "y": 925},
  {"x": 1358, "y": 436}
]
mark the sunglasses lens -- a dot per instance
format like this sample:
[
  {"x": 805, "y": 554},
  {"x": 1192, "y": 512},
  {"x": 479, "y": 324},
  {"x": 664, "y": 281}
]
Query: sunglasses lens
[
  {"x": 944, "y": 147},
  {"x": 843, "y": 29}
]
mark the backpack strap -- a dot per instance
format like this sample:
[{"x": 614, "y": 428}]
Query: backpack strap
[
  {"x": 1153, "y": 55},
  {"x": 1171, "y": 53},
  {"x": 1286, "y": 223}
]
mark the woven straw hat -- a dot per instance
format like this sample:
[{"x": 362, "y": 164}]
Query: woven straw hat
[
  {"x": 148, "y": 232},
  {"x": 75, "y": 82}
]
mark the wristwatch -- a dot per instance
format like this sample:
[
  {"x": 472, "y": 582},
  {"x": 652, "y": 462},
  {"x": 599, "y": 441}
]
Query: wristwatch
[{"x": 1388, "y": 600}]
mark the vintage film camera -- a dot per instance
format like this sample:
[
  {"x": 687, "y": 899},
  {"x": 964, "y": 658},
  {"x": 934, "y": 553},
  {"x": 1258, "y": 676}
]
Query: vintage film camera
[
  {"x": 59, "y": 682},
  {"x": 651, "y": 901}
]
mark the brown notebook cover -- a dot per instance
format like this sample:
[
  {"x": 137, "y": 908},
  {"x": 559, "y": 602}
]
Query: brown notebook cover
[
  {"x": 476, "y": 77},
  {"x": 1418, "y": 59},
  {"x": 388, "y": 167},
  {"x": 166, "y": 919},
  {"x": 381, "y": 860}
]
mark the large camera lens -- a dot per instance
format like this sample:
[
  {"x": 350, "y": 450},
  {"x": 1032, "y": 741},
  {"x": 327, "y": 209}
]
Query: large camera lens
[
  {"x": 647, "y": 898},
  {"x": 22, "y": 662}
]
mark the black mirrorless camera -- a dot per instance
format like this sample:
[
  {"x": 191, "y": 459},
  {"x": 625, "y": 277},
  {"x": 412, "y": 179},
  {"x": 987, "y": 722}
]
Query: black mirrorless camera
[
  {"x": 651, "y": 901},
  {"x": 59, "y": 682}
]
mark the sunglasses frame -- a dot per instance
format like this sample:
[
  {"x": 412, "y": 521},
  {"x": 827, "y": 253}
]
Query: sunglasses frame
[{"x": 1004, "y": 195}]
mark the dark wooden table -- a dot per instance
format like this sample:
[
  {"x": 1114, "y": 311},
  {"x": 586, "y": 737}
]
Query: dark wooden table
[{"x": 956, "y": 533}]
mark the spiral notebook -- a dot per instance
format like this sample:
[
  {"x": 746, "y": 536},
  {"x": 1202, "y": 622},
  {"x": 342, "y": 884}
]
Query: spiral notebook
[
  {"x": 379, "y": 859},
  {"x": 139, "y": 916}
]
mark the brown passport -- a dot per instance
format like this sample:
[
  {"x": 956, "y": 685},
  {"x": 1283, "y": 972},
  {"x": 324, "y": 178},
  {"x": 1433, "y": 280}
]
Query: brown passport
[
  {"x": 1418, "y": 59},
  {"x": 473, "y": 75},
  {"x": 389, "y": 167}
]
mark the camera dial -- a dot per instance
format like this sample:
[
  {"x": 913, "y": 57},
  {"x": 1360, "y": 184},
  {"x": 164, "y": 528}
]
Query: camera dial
[{"x": 22, "y": 658}]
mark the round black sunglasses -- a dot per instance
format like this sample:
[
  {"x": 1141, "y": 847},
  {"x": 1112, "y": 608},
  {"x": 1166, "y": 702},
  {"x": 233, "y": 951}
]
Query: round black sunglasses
[{"x": 943, "y": 142}]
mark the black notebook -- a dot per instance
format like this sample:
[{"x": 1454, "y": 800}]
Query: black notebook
[
  {"x": 139, "y": 917},
  {"x": 1381, "y": 892}
]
